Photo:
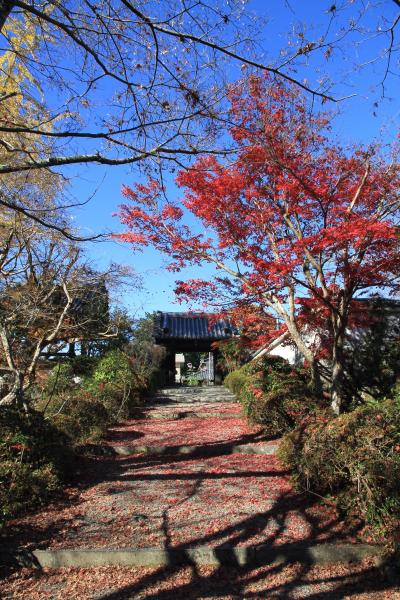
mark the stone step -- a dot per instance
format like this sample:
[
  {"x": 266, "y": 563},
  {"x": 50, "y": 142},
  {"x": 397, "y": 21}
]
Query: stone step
[
  {"x": 184, "y": 414},
  {"x": 309, "y": 554},
  {"x": 197, "y": 395},
  {"x": 201, "y": 391},
  {"x": 175, "y": 402},
  {"x": 171, "y": 396},
  {"x": 203, "y": 450}
]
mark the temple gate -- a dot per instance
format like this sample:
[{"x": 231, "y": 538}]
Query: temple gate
[{"x": 190, "y": 332}]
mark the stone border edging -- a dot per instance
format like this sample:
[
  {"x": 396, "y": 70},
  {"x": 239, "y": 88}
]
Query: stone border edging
[{"x": 200, "y": 555}]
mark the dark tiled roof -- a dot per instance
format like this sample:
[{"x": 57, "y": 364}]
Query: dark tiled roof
[{"x": 191, "y": 326}]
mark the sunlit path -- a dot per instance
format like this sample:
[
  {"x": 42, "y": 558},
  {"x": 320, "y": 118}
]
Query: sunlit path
[{"x": 235, "y": 509}]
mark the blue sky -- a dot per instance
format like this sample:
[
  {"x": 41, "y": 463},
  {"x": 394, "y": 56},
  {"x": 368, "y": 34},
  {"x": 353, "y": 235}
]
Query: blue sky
[{"x": 355, "y": 122}]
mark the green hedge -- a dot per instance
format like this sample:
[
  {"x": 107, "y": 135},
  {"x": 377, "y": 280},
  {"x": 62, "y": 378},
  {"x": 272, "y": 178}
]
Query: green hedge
[
  {"x": 273, "y": 394},
  {"x": 354, "y": 457}
]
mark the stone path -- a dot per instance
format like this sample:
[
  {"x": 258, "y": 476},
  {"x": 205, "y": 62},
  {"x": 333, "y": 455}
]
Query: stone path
[{"x": 210, "y": 499}]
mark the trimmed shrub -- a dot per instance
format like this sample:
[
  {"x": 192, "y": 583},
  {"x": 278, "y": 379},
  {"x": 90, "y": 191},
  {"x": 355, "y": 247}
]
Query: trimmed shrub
[
  {"x": 115, "y": 400},
  {"x": 236, "y": 380},
  {"x": 83, "y": 411},
  {"x": 117, "y": 385},
  {"x": 355, "y": 457},
  {"x": 273, "y": 394},
  {"x": 34, "y": 460},
  {"x": 24, "y": 487},
  {"x": 114, "y": 368},
  {"x": 83, "y": 419}
]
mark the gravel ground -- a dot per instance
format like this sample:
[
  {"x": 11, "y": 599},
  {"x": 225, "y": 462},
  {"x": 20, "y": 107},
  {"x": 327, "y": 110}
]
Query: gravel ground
[
  {"x": 140, "y": 501},
  {"x": 293, "y": 582}
]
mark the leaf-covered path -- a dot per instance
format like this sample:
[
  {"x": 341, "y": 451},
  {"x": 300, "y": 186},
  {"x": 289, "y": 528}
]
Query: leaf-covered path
[{"x": 216, "y": 499}]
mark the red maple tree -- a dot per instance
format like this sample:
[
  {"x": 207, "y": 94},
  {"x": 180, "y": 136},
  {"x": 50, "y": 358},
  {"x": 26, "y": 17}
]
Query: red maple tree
[{"x": 298, "y": 225}]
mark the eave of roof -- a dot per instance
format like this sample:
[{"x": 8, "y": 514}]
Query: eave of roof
[{"x": 192, "y": 326}]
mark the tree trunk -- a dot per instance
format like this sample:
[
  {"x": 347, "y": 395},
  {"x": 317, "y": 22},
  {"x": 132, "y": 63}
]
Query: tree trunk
[
  {"x": 337, "y": 382},
  {"x": 16, "y": 395},
  {"x": 316, "y": 381},
  {"x": 5, "y": 9},
  {"x": 337, "y": 372}
]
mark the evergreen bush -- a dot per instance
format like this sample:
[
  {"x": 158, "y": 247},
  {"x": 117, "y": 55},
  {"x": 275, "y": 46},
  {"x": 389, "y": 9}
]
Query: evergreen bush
[
  {"x": 35, "y": 458},
  {"x": 354, "y": 457},
  {"x": 273, "y": 394}
]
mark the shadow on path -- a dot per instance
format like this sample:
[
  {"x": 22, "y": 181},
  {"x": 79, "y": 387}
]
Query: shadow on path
[
  {"x": 232, "y": 580},
  {"x": 265, "y": 579}
]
